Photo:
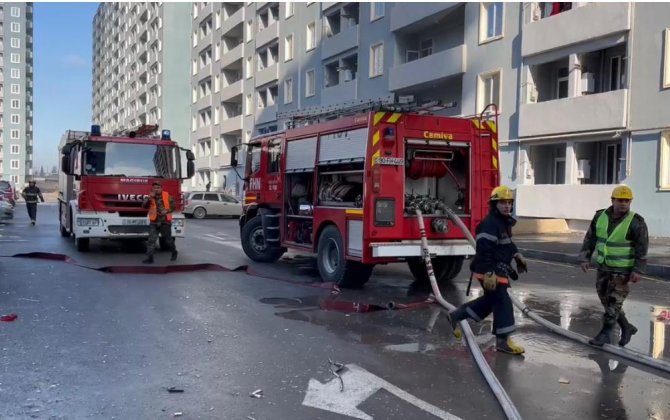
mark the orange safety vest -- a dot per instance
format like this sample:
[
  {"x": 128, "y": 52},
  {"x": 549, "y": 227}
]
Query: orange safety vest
[{"x": 153, "y": 210}]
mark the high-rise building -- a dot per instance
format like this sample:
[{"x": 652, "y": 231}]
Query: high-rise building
[
  {"x": 141, "y": 56},
  {"x": 16, "y": 92}
]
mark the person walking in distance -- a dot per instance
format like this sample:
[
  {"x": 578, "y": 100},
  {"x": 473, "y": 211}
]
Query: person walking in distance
[
  {"x": 620, "y": 239},
  {"x": 492, "y": 267},
  {"x": 31, "y": 194},
  {"x": 160, "y": 205}
]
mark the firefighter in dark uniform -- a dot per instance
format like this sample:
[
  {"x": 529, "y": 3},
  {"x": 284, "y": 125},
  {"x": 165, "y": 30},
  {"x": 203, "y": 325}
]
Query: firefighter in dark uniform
[
  {"x": 492, "y": 267},
  {"x": 620, "y": 239},
  {"x": 160, "y": 205},
  {"x": 31, "y": 193}
]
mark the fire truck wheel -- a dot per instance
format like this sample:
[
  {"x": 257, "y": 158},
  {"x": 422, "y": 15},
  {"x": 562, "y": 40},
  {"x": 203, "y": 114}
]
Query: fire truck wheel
[
  {"x": 81, "y": 244},
  {"x": 445, "y": 268},
  {"x": 333, "y": 267},
  {"x": 200, "y": 213},
  {"x": 254, "y": 245}
]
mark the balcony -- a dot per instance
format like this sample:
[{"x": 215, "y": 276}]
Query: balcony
[
  {"x": 232, "y": 56},
  {"x": 585, "y": 23},
  {"x": 232, "y": 90},
  {"x": 430, "y": 69},
  {"x": 202, "y": 132},
  {"x": 204, "y": 71},
  {"x": 343, "y": 41},
  {"x": 204, "y": 102},
  {"x": 406, "y": 16},
  {"x": 343, "y": 92},
  {"x": 266, "y": 115},
  {"x": 231, "y": 124},
  {"x": 234, "y": 20},
  {"x": 203, "y": 162},
  {"x": 601, "y": 111},
  {"x": 267, "y": 35},
  {"x": 267, "y": 75}
]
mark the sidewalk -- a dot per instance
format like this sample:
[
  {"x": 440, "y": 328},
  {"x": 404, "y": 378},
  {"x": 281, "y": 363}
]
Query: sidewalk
[{"x": 564, "y": 247}]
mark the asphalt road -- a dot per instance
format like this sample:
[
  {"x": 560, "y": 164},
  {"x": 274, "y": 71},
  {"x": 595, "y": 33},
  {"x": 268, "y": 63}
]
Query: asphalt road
[{"x": 89, "y": 344}]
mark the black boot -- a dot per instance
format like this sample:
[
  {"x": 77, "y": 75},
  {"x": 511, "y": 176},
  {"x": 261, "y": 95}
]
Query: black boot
[
  {"x": 627, "y": 330},
  {"x": 174, "y": 255},
  {"x": 148, "y": 260},
  {"x": 603, "y": 336}
]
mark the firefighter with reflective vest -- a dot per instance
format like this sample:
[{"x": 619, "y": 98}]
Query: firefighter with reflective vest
[
  {"x": 620, "y": 239},
  {"x": 492, "y": 267},
  {"x": 160, "y": 205}
]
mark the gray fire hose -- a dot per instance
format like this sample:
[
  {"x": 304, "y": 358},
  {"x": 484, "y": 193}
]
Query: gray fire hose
[
  {"x": 505, "y": 401},
  {"x": 616, "y": 350}
]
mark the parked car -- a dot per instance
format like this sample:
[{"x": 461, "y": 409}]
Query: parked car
[
  {"x": 200, "y": 204},
  {"x": 6, "y": 209},
  {"x": 8, "y": 192}
]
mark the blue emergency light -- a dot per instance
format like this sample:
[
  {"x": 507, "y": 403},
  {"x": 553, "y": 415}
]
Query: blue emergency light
[
  {"x": 165, "y": 135},
  {"x": 95, "y": 130}
]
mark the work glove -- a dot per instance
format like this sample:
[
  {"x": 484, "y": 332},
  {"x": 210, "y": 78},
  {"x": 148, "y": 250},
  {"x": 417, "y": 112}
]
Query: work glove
[
  {"x": 489, "y": 282},
  {"x": 521, "y": 265}
]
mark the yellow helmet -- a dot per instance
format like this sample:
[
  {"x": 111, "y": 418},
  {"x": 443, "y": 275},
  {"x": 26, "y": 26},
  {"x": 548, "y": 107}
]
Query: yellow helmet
[
  {"x": 502, "y": 193},
  {"x": 622, "y": 192}
]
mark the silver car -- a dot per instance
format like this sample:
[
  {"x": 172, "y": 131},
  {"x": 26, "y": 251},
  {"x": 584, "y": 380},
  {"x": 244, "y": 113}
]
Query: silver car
[{"x": 202, "y": 204}]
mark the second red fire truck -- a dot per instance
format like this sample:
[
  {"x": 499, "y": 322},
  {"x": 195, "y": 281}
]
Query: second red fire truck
[{"x": 346, "y": 190}]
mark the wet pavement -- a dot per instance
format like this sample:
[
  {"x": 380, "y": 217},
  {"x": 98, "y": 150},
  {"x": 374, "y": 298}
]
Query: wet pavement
[{"x": 88, "y": 344}]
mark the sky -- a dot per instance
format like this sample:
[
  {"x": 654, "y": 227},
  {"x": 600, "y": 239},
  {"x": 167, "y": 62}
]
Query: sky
[{"x": 62, "y": 34}]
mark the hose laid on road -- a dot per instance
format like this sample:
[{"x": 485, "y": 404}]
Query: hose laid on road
[
  {"x": 615, "y": 350},
  {"x": 505, "y": 401}
]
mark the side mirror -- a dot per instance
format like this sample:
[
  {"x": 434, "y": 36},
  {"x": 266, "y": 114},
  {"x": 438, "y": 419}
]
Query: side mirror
[
  {"x": 66, "y": 149},
  {"x": 189, "y": 155},
  {"x": 233, "y": 156},
  {"x": 65, "y": 164},
  {"x": 190, "y": 169}
]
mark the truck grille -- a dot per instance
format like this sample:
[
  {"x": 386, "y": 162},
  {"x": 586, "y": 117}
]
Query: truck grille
[{"x": 116, "y": 229}]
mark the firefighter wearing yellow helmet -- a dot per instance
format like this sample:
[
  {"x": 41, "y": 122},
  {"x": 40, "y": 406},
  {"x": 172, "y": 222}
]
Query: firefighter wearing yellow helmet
[
  {"x": 620, "y": 240},
  {"x": 492, "y": 266}
]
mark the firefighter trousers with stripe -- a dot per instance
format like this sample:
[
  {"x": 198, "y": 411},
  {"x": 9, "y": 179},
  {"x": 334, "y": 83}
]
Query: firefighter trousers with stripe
[{"x": 497, "y": 302}]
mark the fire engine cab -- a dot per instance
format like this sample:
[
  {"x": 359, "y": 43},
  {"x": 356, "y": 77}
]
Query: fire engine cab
[
  {"x": 346, "y": 190},
  {"x": 104, "y": 179}
]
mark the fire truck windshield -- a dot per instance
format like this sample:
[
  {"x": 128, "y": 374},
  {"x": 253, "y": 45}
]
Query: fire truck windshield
[{"x": 130, "y": 160}]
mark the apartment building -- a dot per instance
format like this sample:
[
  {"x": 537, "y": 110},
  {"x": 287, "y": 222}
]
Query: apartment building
[
  {"x": 141, "y": 56},
  {"x": 581, "y": 88},
  {"x": 16, "y": 92}
]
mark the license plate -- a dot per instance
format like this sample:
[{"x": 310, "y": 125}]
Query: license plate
[{"x": 134, "y": 222}]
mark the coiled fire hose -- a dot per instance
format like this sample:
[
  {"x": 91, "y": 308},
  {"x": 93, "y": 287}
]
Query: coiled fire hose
[
  {"x": 505, "y": 401},
  {"x": 609, "y": 348}
]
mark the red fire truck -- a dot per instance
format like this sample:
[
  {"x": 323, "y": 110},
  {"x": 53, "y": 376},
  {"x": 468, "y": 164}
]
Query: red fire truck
[
  {"x": 104, "y": 179},
  {"x": 345, "y": 190}
]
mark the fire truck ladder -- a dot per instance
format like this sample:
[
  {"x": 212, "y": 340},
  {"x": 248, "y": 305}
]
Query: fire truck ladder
[
  {"x": 487, "y": 127},
  {"x": 142, "y": 131},
  {"x": 330, "y": 112}
]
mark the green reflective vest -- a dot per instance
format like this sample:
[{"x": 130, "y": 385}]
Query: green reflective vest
[{"x": 614, "y": 250}]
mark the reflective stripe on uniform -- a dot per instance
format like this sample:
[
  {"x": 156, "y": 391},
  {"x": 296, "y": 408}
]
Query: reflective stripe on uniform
[{"x": 487, "y": 236}]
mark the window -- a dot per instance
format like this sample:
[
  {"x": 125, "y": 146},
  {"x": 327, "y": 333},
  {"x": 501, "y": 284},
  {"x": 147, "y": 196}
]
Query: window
[
  {"x": 16, "y": 27},
  {"x": 490, "y": 21},
  {"x": 562, "y": 83},
  {"x": 617, "y": 73},
  {"x": 250, "y": 67},
  {"x": 14, "y": 134},
  {"x": 15, "y": 164},
  {"x": 376, "y": 10},
  {"x": 288, "y": 48},
  {"x": 311, "y": 36},
  {"x": 15, "y": 58},
  {"x": 274, "y": 151},
  {"x": 15, "y": 149},
  {"x": 254, "y": 158},
  {"x": 16, "y": 119},
  {"x": 488, "y": 90},
  {"x": 250, "y": 30},
  {"x": 664, "y": 164},
  {"x": 16, "y": 88},
  {"x": 14, "y": 178},
  {"x": 289, "y": 9},
  {"x": 249, "y": 104},
  {"x": 613, "y": 157},
  {"x": 15, "y": 12},
  {"x": 16, "y": 74},
  {"x": 310, "y": 83},
  {"x": 16, "y": 42},
  {"x": 666, "y": 59},
  {"x": 288, "y": 90},
  {"x": 15, "y": 104},
  {"x": 377, "y": 60}
]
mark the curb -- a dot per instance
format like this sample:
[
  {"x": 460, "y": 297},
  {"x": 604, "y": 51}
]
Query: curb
[{"x": 654, "y": 270}]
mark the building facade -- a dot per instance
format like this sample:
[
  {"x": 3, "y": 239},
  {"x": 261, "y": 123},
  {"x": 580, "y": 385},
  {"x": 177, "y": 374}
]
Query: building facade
[
  {"x": 16, "y": 92},
  {"x": 141, "y": 55}
]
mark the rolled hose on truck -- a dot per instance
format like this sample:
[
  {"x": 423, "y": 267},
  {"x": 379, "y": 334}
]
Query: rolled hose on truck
[{"x": 609, "y": 348}]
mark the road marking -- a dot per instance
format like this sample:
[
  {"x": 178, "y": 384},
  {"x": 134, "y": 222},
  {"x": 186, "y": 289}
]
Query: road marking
[
  {"x": 222, "y": 241},
  {"x": 359, "y": 385}
]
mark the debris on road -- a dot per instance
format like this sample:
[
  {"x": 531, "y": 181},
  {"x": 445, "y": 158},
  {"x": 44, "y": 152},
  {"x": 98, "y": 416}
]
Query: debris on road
[
  {"x": 174, "y": 389},
  {"x": 257, "y": 394},
  {"x": 8, "y": 318},
  {"x": 563, "y": 381},
  {"x": 335, "y": 368},
  {"x": 178, "y": 414}
]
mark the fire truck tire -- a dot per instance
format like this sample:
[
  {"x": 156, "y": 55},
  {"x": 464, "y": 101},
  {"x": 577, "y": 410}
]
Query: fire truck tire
[
  {"x": 82, "y": 244},
  {"x": 332, "y": 264},
  {"x": 63, "y": 231},
  {"x": 445, "y": 268},
  {"x": 254, "y": 245},
  {"x": 199, "y": 213}
]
